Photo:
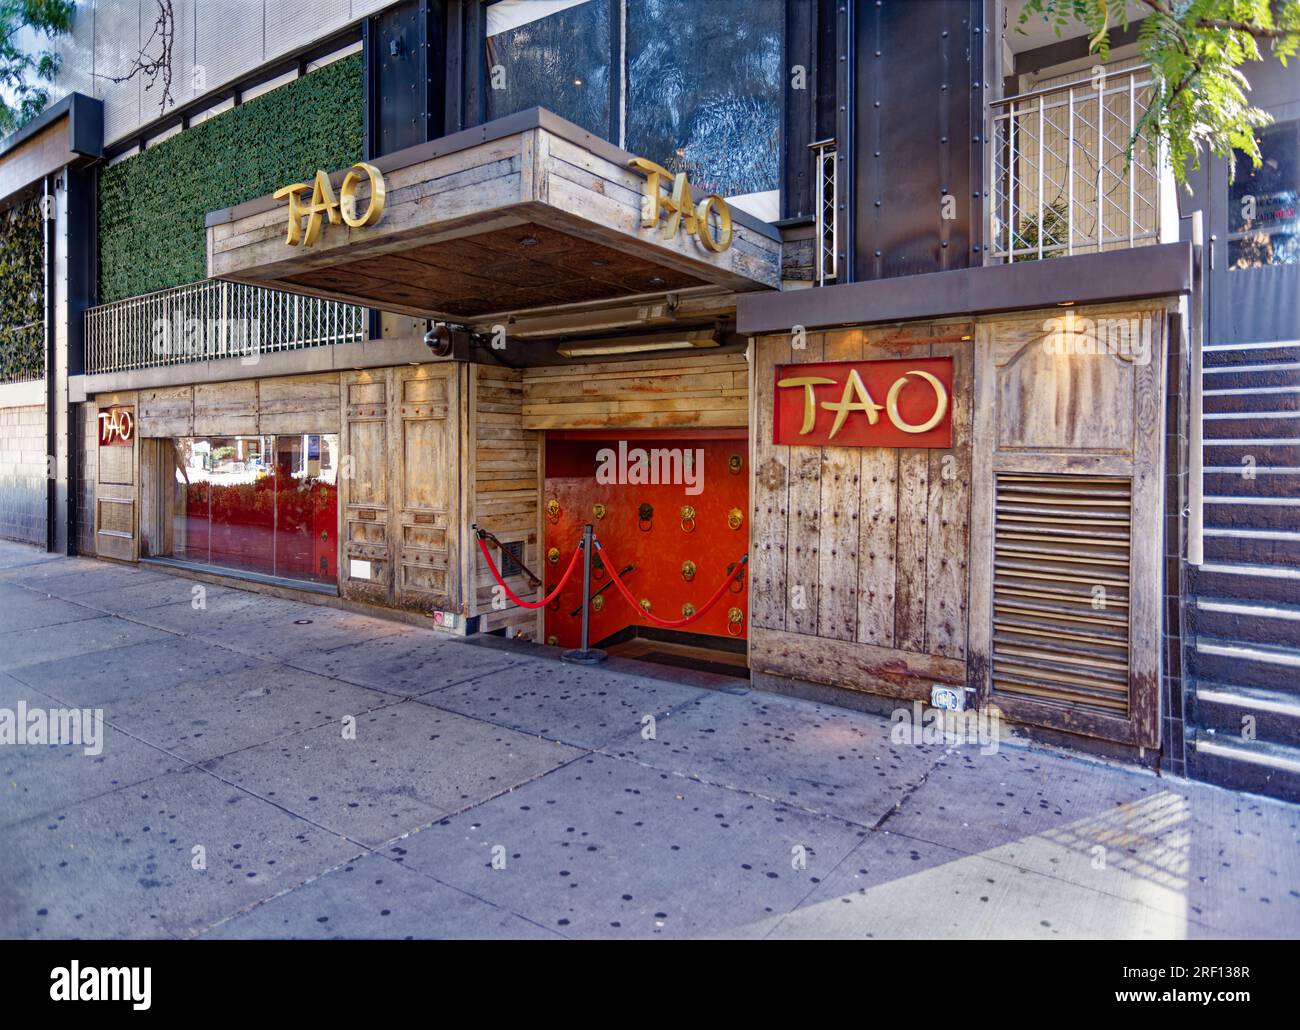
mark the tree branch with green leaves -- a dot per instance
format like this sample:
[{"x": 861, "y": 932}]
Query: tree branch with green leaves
[
  {"x": 1197, "y": 50},
  {"x": 24, "y": 74}
]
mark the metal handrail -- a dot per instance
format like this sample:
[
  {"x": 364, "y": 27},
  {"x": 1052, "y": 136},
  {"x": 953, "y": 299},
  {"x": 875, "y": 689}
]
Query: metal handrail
[
  {"x": 1062, "y": 176},
  {"x": 1061, "y": 87},
  {"x": 213, "y": 319}
]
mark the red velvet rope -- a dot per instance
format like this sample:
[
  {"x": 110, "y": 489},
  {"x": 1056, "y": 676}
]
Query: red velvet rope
[
  {"x": 610, "y": 566},
  {"x": 573, "y": 564}
]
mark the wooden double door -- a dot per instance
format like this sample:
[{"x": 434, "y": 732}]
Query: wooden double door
[{"x": 400, "y": 487}]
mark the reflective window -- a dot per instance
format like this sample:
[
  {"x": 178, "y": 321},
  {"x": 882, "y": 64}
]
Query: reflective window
[
  {"x": 1263, "y": 220},
  {"x": 553, "y": 54},
  {"x": 264, "y": 504},
  {"x": 700, "y": 82},
  {"x": 704, "y": 90}
]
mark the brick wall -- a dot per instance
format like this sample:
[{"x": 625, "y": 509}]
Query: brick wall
[{"x": 22, "y": 474}]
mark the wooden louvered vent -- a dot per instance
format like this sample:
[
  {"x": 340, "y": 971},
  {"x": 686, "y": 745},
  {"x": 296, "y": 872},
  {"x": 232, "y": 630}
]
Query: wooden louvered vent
[{"x": 1061, "y": 591}]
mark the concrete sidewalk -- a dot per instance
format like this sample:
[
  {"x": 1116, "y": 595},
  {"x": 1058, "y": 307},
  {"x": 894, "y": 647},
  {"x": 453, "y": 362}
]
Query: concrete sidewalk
[{"x": 492, "y": 792}]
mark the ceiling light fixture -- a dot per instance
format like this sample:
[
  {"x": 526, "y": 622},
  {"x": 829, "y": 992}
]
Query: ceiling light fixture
[{"x": 678, "y": 339}]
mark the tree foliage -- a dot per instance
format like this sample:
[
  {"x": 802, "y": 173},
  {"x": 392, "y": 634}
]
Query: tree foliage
[
  {"x": 23, "y": 74},
  {"x": 1196, "y": 50}
]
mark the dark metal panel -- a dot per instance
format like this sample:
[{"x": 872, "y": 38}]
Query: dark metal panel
[
  {"x": 397, "y": 48},
  {"x": 798, "y": 122},
  {"x": 917, "y": 89},
  {"x": 1085, "y": 278}
]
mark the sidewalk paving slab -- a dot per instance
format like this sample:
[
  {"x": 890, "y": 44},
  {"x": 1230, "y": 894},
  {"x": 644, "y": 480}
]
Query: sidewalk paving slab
[
  {"x": 123, "y": 864},
  {"x": 116, "y": 674},
  {"x": 36, "y": 779},
  {"x": 587, "y": 707},
  {"x": 895, "y": 888},
  {"x": 22, "y": 609},
  {"x": 230, "y": 711},
  {"x": 375, "y": 898},
  {"x": 43, "y": 646},
  {"x": 407, "y": 664},
  {"x": 1226, "y": 860},
  {"x": 813, "y": 756},
  {"x": 607, "y": 848},
  {"x": 408, "y": 765}
]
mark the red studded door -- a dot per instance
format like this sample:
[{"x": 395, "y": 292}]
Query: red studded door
[{"x": 673, "y": 507}]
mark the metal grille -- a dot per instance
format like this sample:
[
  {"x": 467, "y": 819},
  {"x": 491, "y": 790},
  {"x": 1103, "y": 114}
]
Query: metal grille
[
  {"x": 1062, "y": 178},
  {"x": 213, "y": 319},
  {"x": 827, "y": 200},
  {"x": 1061, "y": 591}
]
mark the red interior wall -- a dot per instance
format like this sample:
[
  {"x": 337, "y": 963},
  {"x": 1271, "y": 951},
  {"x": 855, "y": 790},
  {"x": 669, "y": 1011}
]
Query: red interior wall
[{"x": 657, "y": 552}]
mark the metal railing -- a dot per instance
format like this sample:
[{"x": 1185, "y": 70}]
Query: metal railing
[
  {"x": 826, "y": 242},
  {"x": 213, "y": 319},
  {"x": 1062, "y": 178}
]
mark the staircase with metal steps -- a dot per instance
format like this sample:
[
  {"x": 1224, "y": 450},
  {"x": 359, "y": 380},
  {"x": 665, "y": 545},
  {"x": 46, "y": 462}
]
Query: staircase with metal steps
[{"x": 1242, "y": 713}]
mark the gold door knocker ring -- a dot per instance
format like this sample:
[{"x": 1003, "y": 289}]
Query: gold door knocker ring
[
  {"x": 688, "y": 570},
  {"x": 553, "y": 510},
  {"x": 736, "y": 620},
  {"x": 688, "y": 516},
  {"x": 645, "y": 517}
]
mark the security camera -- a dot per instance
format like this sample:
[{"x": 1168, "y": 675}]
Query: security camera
[{"x": 438, "y": 339}]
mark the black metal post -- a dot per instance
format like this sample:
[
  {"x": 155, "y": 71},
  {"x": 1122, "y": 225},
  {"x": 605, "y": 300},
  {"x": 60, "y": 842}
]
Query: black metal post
[{"x": 585, "y": 655}]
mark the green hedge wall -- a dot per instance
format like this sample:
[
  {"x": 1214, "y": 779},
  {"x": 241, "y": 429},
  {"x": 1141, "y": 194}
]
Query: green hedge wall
[
  {"x": 22, "y": 293},
  {"x": 152, "y": 206}
]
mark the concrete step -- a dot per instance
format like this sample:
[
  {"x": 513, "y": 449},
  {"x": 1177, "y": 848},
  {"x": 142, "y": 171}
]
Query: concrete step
[
  {"x": 1232, "y": 711},
  {"x": 1250, "y": 376},
  {"x": 1244, "y": 581},
  {"x": 1257, "y": 546},
  {"x": 1257, "y": 766},
  {"x": 1280, "y": 451},
  {"x": 1247, "y": 622},
  {"x": 1221, "y": 354},
  {"x": 1267, "y": 398},
  {"x": 1223, "y": 660},
  {"x": 1253, "y": 512},
  {"x": 1227, "y": 425},
  {"x": 1251, "y": 481}
]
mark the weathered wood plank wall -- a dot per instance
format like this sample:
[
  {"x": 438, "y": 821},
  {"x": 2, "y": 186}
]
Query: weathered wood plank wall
[{"x": 859, "y": 555}]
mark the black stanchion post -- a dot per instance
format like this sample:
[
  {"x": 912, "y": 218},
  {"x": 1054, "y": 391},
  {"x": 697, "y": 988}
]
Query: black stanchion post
[{"x": 585, "y": 655}]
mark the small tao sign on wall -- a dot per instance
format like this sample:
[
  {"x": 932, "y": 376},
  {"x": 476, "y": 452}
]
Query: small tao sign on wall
[
  {"x": 116, "y": 426},
  {"x": 903, "y": 402}
]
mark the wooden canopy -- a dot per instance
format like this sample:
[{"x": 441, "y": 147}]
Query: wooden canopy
[{"x": 524, "y": 213}]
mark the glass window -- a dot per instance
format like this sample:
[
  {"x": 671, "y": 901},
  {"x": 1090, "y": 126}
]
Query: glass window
[
  {"x": 553, "y": 54},
  {"x": 704, "y": 90},
  {"x": 1263, "y": 221},
  {"x": 264, "y": 504}
]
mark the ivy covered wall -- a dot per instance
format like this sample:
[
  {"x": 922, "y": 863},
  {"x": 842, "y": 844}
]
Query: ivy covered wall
[
  {"x": 152, "y": 206},
  {"x": 22, "y": 293}
]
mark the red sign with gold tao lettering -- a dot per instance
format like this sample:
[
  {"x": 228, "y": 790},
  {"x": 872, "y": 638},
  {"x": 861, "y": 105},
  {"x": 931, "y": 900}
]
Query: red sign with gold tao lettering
[{"x": 904, "y": 402}]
